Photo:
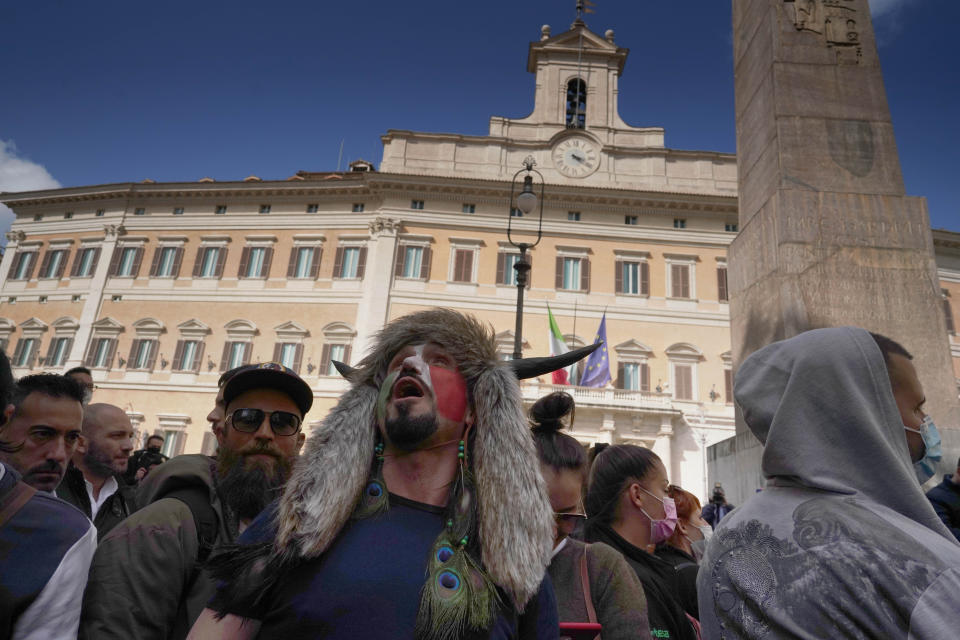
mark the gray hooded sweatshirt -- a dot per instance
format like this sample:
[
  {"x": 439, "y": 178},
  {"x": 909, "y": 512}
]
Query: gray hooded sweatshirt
[{"x": 842, "y": 542}]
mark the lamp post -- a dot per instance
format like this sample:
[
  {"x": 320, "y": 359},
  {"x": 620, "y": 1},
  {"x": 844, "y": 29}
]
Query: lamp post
[{"x": 526, "y": 202}]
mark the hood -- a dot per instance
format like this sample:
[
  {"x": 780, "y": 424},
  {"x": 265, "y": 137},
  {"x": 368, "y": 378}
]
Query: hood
[
  {"x": 822, "y": 405},
  {"x": 177, "y": 473}
]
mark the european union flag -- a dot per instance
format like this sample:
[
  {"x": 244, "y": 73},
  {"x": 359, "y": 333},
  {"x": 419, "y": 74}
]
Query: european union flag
[{"x": 596, "y": 372}]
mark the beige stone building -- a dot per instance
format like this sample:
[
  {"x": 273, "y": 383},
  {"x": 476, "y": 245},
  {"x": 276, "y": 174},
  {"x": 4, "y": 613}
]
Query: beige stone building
[{"x": 159, "y": 287}]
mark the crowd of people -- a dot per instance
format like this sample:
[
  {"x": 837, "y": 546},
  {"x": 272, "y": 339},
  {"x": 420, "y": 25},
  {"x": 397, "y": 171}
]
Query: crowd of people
[{"x": 428, "y": 504}]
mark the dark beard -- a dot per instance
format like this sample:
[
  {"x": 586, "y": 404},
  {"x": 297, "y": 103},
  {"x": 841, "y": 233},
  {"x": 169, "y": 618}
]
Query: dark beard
[
  {"x": 405, "y": 433},
  {"x": 97, "y": 462},
  {"x": 248, "y": 490}
]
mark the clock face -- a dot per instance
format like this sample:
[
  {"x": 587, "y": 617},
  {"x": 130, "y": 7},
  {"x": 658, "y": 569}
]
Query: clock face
[{"x": 576, "y": 157}]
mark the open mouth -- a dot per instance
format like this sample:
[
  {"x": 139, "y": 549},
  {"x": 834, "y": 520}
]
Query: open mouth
[{"x": 407, "y": 387}]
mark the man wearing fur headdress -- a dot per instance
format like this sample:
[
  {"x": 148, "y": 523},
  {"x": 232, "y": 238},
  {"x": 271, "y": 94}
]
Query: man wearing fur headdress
[{"x": 417, "y": 510}]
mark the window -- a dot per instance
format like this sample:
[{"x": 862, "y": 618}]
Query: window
[
  {"x": 683, "y": 370},
  {"x": 413, "y": 261},
  {"x": 99, "y": 213},
  {"x": 731, "y": 226},
  {"x": 722, "y": 294},
  {"x": 632, "y": 277},
  {"x": 235, "y": 354},
  {"x": 166, "y": 262},
  {"x": 139, "y": 211},
  {"x": 358, "y": 207},
  {"x": 102, "y": 348},
  {"x": 125, "y": 262},
  {"x": 679, "y": 223},
  {"x": 22, "y": 267},
  {"x": 289, "y": 354},
  {"x": 220, "y": 210},
  {"x": 54, "y": 260},
  {"x": 264, "y": 208},
  {"x": 209, "y": 262},
  {"x": 573, "y": 273},
  {"x": 313, "y": 208},
  {"x": 68, "y": 215},
  {"x": 85, "y": 262},
  {"x": 631, "y": 220},
  {"x": 43, "y": 299},
  {"x": 143, "y": 354},
  {"x": 679, "y": 280},
  {"x": 948, "y": 311},
  {"x": 178, "y": 211},
  {"x": 634, "y": 376},
  {"x": 728, "y": 385},
  {"x": 58, "y": 351},
  {"x": 469, "y": 208},
  {"x": 416, "y": 204},
  {"x": 506, "y": 271},
  {"x": 37, "y": 218},
  {"x": 331, "y": 352},
  {"x": 349, "y": 262},
  {"x": 25, "y": 352},
  {"x": 683, "y": 382},
  {"x": 463, "y": 265},
  {"x": 515, "y": 212},
  {"x": 573, "y": 216},
  {"x": 576, "y": 104},
  {"x": 255, "y": 262},
  {"x": 188, "y": 355},
  {"x": 304, "y": 262}
]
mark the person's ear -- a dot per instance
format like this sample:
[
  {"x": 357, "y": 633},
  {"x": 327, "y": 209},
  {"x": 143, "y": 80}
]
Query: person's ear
[
  {"x": 683, "y": 526},
  {"x": 636, "y": 495},
  {"x": 301, "y": 438},
  {"x": 81, "y": 444},
  {"x": 7, "y": 414}
]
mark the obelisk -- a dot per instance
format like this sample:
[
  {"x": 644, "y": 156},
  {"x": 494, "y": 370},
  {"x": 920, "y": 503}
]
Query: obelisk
[{"x": 827, "y": 235}]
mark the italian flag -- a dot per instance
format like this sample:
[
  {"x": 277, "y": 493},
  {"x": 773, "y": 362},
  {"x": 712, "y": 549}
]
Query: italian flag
[{"x": 558, "y": 346}]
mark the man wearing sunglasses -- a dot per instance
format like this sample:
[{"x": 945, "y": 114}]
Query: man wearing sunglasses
[{"x": 144, "y": 582}]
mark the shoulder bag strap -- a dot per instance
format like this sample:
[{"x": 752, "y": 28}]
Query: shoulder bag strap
[
  {"x": 585, "y": 581},
  {"x": 18, "y": 496}
]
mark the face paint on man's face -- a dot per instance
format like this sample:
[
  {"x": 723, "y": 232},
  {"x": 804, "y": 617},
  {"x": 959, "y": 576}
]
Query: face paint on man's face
[
  {"x": 384, "y": 397},
  {"x": 450, "y": 393}
]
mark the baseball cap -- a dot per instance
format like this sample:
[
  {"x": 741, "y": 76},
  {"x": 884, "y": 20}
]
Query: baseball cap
[{"x": 269, "y": 375}]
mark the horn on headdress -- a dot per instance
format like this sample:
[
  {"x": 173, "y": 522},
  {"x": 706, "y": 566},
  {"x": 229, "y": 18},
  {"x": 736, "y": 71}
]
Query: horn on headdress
[{"x": 523, "y": 368}]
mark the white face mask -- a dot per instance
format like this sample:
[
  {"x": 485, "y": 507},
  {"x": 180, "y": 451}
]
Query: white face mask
[{"x": 699, "y": 547}]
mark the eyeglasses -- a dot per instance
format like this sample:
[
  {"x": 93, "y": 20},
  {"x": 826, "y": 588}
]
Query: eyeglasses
[
  {"x": 569, "y": 519},
  {"x": 283, "y": 423}
]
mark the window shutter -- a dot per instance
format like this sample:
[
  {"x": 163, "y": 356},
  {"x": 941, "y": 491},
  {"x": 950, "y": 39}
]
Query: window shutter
[
  {"x": 91, "y": 350},
  {"x": 112, "y": 352},
  {"x": 685, "y": 278},
  {"x": 177, "y": 261},
  {"x": 95, "y": 261},
  {"x": 398, "y": 261},
  {"x": 115, "y": 260},
  {"x": 277, "y": 351},
  {"x": 620, "y": 380},
  {"x": 559, "y": 282},
  {"x": 13, "y": 265},
  {"x": 43, "y": 264},
  {"x": 152, "y": 359},
  {"x": 34, "y": 351},
  {"x": 501, "y": 270},
  {"x": 155, "y": 263},
  {"x": 297, "y": 358},
  {"x": 178, "y": 357},
  {"x": 722, "y": 284},
  {"x": 346, "y": 354},
  {"x": 244, "y": 261},
  {"x": 75, "y": 268},
  {"x": 134, "y": 347},
  {"x": 18, "y": 352},
  {"x": 948, "y": 312},
  {"x": 63, "y": 264},
  {"x": 644, "y": 377},
  {"x": 50, "y": 350},
  {"x": 338, "y": 263},
  {"x": 315, "y": 267},
  {"x": 267, "y": 262},
  {"x": 226, "y": 356},
  {"x": 619, "y": 266},
  {"x": 137, "y": 259},
  {"x": 728, "y": 385},
  {"x": 424, "y": 265},
  {"x": 683, "y": 379},
  {"x": 221, "y": 259},
  {"x": 676, "y": 286},
  {"x": 292, "y": 264},
  {"x": 198, "y": 263},
  {"x": 644, "y": 278},
  {"x": 361, "y": 262},
  {"x": 198, "y": 357},
  {"x": 325, "y": 360},
  {"x": 247, "y": 350},
  {"x": 585, "y": 274}
]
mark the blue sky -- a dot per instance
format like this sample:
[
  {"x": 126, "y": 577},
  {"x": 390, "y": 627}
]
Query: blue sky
[{"x": 98, "y": 92}]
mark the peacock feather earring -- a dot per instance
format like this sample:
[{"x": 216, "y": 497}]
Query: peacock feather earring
[
  {"x": 458, "y": 596},
  {"x": 374, "y": 500}
]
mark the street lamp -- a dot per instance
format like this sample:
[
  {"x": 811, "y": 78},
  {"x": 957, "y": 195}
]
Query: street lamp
[{"x": 526, "y": 202}]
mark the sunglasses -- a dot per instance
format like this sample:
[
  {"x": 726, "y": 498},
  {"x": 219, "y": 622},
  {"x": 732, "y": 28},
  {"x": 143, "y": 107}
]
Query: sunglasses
[{"x": 283, "y": 423}]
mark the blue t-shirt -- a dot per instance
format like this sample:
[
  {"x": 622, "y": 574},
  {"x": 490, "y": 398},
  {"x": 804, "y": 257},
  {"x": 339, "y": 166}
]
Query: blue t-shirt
[{"x": 367, "y": 584}]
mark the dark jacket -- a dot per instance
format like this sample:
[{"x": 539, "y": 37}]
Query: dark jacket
[
  {"x": 714, "y": 512},
  {"x": 668, "y": 620},
  {"x": 945, "y": 498},
  {"x": 117, "y": 507},
  {"x": 687, "y": 569},
  {"x": 133, "y": 463},
  {"x": 144, "y": 581}
]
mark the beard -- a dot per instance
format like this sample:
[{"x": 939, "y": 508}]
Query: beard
[
  {"x": 406, "y": 432},
  {"x": 248, "y": 487},
  {"x": 99, "y": 462}
]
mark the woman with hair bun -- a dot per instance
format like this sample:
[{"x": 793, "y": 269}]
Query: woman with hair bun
[
  {"x": 628, "y": 508},
  {"x": 593, "y": 583}
]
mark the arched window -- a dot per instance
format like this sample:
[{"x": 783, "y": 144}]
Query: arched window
[{"x": 576, "y": 104}]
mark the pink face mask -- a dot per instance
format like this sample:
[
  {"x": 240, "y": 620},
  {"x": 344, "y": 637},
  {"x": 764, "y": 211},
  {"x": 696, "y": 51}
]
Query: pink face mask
[{"x": 662, "y": 529}]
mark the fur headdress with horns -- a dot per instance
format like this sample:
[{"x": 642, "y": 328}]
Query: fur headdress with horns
[{"x": 514, "y": 520}]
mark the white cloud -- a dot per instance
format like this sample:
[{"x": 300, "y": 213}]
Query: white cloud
[
  {"x": 19, "y": 174},
  {"x": 881, "y": 7}
]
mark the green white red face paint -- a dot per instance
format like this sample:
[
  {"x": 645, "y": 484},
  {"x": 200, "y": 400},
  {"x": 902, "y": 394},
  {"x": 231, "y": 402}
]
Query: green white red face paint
[{"x": 447, "y": 386}]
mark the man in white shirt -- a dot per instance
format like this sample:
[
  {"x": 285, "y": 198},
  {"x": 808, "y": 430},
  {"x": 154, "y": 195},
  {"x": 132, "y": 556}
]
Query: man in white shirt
[{"x": 93, "y": 482}]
